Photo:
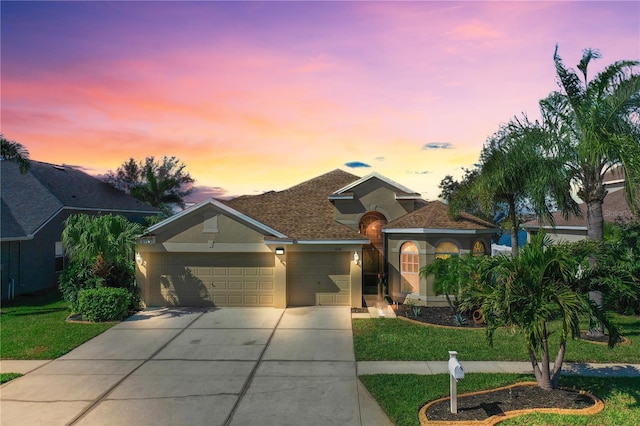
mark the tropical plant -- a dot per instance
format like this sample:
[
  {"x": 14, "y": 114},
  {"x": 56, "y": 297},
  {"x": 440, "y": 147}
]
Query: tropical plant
[
  {"x": 525, "y": 293},
  {"x": 12, "y": 150},
  {"x": 158, "y": 183},
  {"x": 514, "y": 171},
  {"x": 595, "y": 129},
  {"x": 452, "y": 275},
  {"x": 101, "y": 252}
]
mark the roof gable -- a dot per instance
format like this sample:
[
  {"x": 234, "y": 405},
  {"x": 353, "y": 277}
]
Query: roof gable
[
  {"x": 402, "y": 192},
  {"x": 224, "y": 208}
]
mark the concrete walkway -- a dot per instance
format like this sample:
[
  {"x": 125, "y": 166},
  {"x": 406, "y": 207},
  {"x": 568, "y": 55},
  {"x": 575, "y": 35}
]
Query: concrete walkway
[{"x": 230, "y": 366}]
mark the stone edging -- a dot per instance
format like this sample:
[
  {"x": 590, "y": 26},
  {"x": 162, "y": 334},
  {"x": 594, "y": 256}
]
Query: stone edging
[
  {"x": 624, "y": 341},
  {"x": 493, "y": 420}
]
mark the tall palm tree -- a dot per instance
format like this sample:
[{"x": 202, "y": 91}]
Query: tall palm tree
[
  {"x": 597, "y": 124},
  {"x": 12, "y": 150},
  {"x": 526, "y": 293},
  {"x": 514, "y": 171}
]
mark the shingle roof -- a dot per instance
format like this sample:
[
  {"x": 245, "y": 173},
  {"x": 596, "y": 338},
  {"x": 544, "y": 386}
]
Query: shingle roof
[
  {"x": 30, "y": 200},
  {"x": 302, "y": 212},
  {"x": 614, "y": 206},
  {"x": 435, "y": 215}
]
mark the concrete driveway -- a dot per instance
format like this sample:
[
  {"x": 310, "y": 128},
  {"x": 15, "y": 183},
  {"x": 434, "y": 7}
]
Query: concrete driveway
[{"x": 179, "y": 366}]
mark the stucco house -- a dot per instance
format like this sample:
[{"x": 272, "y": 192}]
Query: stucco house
[
  {"x": 614, "y": 207},
  {"x": 325, "y": 241},
  {"x": 33, "y": 210}
]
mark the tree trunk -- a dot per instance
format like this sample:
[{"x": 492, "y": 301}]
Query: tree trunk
[
  {"x": 595, "y": 219},
  {"x": 515, "y": 249},
  {"x": 557, "y": 365}
]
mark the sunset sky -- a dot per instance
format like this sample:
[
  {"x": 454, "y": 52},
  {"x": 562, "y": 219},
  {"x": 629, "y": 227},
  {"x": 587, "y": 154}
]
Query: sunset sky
[{"x": 257, "y": 96}]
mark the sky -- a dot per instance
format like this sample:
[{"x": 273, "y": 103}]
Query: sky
[{"x": 259, "y": 96}]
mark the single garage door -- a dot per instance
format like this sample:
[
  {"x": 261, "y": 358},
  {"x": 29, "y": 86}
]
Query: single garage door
[
  {"x": 318, "y": 279},
  {"x": 203, "y": 279}
]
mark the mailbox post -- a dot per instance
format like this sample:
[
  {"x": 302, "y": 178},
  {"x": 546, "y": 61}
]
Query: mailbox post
[{"x": 456, "y": 372}]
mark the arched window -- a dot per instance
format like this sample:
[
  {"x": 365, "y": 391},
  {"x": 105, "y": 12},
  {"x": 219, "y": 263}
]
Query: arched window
[
  {"x": 479, "y": 248},
  {"x": 371, "y": 225},
  {"x": 410, "y": 267},
  {"x": 446, "y": 249}
]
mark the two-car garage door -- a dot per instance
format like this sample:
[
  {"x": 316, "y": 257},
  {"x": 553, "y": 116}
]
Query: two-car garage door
[{"x": 221, "y": 279}]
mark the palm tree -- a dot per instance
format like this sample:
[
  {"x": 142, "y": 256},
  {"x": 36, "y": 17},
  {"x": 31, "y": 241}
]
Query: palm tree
[
  {"x": 160, "y": 184},
  {"x": 597, "y": 125},
  {"x": 12, "y": 150},
  {"x": 104, "y": 244},
  {"x": 515, "y": 172},
  {"x": 529, "y": 291}
]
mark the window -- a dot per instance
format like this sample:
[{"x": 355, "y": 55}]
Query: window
[
  {"x": 446, "y": 249},
  {"x": 59, "y": 256},
  {"x": 371, "y": 226},
  {"x": 478, "y": 248},
  {"x": 410, "y": 267}
]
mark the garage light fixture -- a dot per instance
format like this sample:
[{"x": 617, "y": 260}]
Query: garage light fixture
[
  {"x": 356, "y": 258},
  {"x": 280, "y": 250}
]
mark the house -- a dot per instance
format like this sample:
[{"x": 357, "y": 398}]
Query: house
[
  {"x": 614, "y": 207},
  {"x": 34, "y": 207},
  {"x": 325, "y": 241}
]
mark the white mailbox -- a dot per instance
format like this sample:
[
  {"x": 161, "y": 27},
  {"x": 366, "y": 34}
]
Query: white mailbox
[
  {"x": 456, "y": 372},
  {"x": 455, "y": 369}
]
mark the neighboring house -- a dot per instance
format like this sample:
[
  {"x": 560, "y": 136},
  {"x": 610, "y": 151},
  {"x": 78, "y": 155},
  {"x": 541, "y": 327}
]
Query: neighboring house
[
  {"x": 34, "y": 207},
  {"x": 322, "y": 242},
  {"x": 614, "y": 207}
]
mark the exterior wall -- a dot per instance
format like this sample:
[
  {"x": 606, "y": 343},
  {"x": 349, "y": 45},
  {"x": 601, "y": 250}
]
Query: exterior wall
[
  {"x": 232, "y": 240},
  {"x": 372, "y": 195},
  {"x": 31, "y": 263},
  {"x": 561, "y": 235},
  {"x": 427, "y": 244}
]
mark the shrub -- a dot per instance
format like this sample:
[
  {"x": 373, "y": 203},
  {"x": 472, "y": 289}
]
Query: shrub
[
  {"x": 73, "y": 279},
  {"x": 103, "y": 303}
]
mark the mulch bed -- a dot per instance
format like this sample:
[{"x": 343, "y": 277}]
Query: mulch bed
[
  {"x": 481, "y": 406},
  {"x": 437, "y": 316}
]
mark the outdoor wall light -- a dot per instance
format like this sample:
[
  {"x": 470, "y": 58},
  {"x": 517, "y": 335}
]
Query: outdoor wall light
[
  {"x": 139, "y": 259},
  {"x": 279, "y": 250},
  {"x": 356, "y": 258}
]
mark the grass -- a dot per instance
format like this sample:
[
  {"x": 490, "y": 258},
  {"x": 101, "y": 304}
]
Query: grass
[
  {"x": 398, "y": 340},
  {"x": 5, "y": 377},
  {"x": 402, "y": 395},
  {"x": 35, "y": 328}
]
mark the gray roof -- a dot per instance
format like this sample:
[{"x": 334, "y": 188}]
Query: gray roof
[{"x": 30, "y": 200}]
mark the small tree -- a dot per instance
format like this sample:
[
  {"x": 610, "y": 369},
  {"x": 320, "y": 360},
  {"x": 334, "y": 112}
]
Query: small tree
[
  {"x": 160, "y": 184},
  {"x": 12, "y": 150},
  {"x": 527, "y": 292}
]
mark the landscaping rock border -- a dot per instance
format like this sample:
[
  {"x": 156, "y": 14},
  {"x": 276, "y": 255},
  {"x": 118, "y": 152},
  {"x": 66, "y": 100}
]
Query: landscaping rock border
[{"x": 493, "y": 420}]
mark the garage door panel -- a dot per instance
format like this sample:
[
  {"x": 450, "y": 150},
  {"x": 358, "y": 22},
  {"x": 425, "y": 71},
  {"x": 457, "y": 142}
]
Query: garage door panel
[
  {"x": 226, "y": 280},
  {"x": 319, "y": 279}
]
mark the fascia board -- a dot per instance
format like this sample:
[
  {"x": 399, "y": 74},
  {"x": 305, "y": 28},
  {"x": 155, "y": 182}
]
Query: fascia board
[{"x": 438, "y": 231}]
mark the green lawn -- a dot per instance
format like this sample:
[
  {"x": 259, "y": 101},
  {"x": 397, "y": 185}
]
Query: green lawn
[
  {"x": 398, "y": 340},
  {"x": 35, "y": 328},
  {"x": 402, "y": 395},
  {"x": 5, "y": 377}
]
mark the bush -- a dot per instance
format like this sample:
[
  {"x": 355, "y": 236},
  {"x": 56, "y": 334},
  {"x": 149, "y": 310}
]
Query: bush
[
  {"x": 74, "y": 278},
  {"x": 103, "y": 303}
]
